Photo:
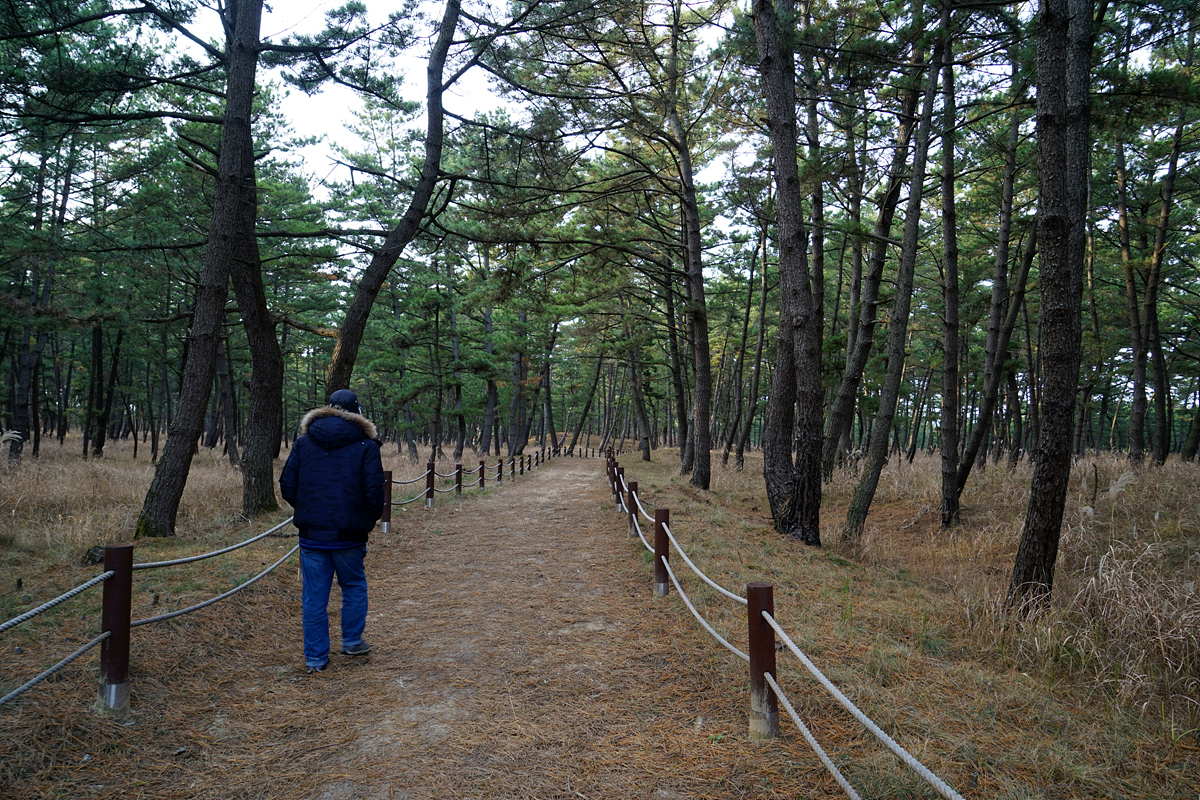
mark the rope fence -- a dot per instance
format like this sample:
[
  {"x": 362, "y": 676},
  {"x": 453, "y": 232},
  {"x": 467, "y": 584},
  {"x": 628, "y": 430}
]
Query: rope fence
[
  {"x": 218, "y": 598},
  {"x": 765, "y": 690},
  {"x": 117, "y": 582},
  {"x": 23, "y": 688},
  {"x": 513, "y": 467},
  {"x": 62, "y": 598}
]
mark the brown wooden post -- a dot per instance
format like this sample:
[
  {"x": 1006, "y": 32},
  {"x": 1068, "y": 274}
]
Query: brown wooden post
[
  {"x": 430, "y": 476},
  {"x": 522, "y": 464},
  {"x": 500, "y": 470},
  {"x": 662, "y": 552},
  {"x": 764, "y": 705},
  {"x": 482, "y": 476},
  {"x": 385, "y": 522},
  {"x": 632, "y": 508},
  {"x": 617, "y": 487},
  {"x": 113, "y": 697},
  {"x": 458, "y": 480}
]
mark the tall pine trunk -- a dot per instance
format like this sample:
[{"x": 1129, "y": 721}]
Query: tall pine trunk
[
  {"x": 350, "y": 334},
  {"x": 949, "y": 438},
  {"x": 793, "y": 490},
  {"x": 231, "y": 227},
  {"x": 1064, "y": 51},
  {"x": 877, "y": 450}
]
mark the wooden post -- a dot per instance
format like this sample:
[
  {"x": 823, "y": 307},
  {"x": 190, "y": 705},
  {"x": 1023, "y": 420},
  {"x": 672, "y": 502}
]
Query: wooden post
[
  {"x": 617, "y": 487},
  {"x": 764, "y": 705},
  {"x": 385, "y": 522},
  {"x": 662, "y": 551},
  {"x": 482, "y": 476},
  {"x": 500, "y": 470},
  {"x": 458, "y": 480},
  {"x": 430, "y": 476},
  {"x": 113, "y": 697}
]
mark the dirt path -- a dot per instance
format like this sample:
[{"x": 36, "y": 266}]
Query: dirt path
[{"x": 518, "y": 652}]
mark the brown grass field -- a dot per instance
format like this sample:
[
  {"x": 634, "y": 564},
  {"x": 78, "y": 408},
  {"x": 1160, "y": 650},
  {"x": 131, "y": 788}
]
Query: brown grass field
[{"x": 1097, "y": 697}]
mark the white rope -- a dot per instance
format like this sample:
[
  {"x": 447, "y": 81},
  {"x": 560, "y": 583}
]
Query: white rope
[
  {"x": 700, "y": 574},
  {"x": 472, "y": 471},
  {"x": 414, "y": 480},
  {"x": 20, "y": 690},
  {"x": 83, "y": 587},
  {"x": 447, "y": 490},
  {"x": 642, "y": 508},
  {"x": 410, "y": 500},
  {"x": 812, "y": 742},
  {"x": 937, "y": 783},
  {"x": 211, "y": 600},
  {"x": 637, "y": 526},
  {"x": 699, "y": 618},
  {"x": 447, "y": 475},
  {"x": 473, "y": 483},
  {"x": 176, "y": 562}
]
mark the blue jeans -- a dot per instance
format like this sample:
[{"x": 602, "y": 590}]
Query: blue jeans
[{"x": 318, "y": 568}]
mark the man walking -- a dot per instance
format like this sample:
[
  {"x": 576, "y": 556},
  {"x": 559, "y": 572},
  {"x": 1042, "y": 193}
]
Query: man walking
[{"x": 333, "y": 478}]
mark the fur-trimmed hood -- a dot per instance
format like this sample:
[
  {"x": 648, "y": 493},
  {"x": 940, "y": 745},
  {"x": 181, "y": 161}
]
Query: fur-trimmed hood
[{"x": 324, "y": 412}]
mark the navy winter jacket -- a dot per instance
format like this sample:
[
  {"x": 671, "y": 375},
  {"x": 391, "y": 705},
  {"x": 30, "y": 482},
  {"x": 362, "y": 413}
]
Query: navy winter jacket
[{"x": 334, "y": 479}]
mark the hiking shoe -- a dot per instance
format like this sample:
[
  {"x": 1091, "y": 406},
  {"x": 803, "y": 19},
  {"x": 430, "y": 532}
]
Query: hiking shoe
[
  {"x": 360, "y": 649},
  {"x": 311, "y": 669}
]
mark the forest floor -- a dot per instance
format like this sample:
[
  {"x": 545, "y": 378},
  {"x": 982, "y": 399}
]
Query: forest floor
[{"x": 518, "y": 652}]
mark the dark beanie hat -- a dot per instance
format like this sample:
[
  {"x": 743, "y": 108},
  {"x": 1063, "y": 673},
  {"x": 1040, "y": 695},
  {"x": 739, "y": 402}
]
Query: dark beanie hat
[{"x": 345, "y": 400}]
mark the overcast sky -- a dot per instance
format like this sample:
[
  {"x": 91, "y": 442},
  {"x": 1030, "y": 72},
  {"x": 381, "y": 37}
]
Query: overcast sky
[{"x": 326, "y": 114}]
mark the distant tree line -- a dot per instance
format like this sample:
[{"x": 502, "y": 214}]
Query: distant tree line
[{"x": 841, "y": 233}]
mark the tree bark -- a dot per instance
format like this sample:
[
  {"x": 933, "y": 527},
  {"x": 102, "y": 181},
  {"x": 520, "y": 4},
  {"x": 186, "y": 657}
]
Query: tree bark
[
  {"x": 677, "y": 366},
  {"x": 228, "y": 405},
  {"x": 877, "y": 450},
  {"x": 1064, "y": 50},
  {"x": 738, "y": 379},
  {"x": 350, "y": 334},
  {"x": 1188, "y": 452},
  {"x": 793, "y": 490},
  {"x": 739, "y": 458},
  {"x": 231, "y": 226},
  {"x": 949, "y": 438},
  {"x": 109, "y": 393},
  {"x": 587, "y": 405},
  {"x": 841, "y": 411},
  {"x": 493, "y": 394},
  {"x": 639, "y": 405},
  {"x": 264, "y": 421}
]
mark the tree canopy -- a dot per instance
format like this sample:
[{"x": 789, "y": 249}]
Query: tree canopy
[{"x": 815, "y": 228}]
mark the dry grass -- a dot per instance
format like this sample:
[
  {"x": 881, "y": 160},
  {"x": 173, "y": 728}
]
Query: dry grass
[
  {"x": 1101, "y": 690},
  {"x": 1096, "y": 698}
]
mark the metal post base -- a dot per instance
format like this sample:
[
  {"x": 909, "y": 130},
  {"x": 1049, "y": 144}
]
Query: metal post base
[
  {"x": 764, "y": 725},
  {"x": 113, "y": 700}
]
